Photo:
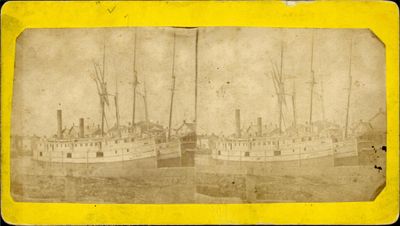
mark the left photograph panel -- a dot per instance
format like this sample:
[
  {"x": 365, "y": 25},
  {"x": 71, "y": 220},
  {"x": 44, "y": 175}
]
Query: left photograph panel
[{"x": 104, "y": 115}]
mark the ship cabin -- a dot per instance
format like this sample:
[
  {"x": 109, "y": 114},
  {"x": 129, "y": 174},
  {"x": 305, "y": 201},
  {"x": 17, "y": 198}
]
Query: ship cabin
[
  {"x": 271, "y": 143},
  {"x": 96, "y": 147}
]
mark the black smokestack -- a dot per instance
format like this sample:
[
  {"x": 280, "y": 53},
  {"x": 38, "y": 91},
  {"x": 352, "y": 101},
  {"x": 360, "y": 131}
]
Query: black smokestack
[
  {"x": 237, "y": 116},
  {"x": 59, "y": 124},
  {"x": 81, "y": 128},
  {"x": 259, "y": 126}
]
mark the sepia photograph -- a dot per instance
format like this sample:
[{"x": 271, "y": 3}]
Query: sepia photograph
[{"x": 198, "y": 115}]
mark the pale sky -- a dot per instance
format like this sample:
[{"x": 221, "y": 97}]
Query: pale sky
[{"x": 53, "y": 67}]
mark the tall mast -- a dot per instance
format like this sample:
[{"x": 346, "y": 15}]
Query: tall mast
[
  {"x": 116, "y": 105},
  {"x": 103, "y": 94},
  {"x": 172, "y": 89},
  {"x": 196, "y": 74},
  {"x": 135, "y": 82},
  {"x": 280, "y": 95},
  {"x": 312, "y": 79},
  {"x": 348, "y": 95}
]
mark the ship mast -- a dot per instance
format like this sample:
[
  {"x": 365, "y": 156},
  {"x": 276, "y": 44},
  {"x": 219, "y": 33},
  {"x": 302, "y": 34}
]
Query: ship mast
[
  {"x": 172, "y": 89},
  {"x": 101, "y": 86},
  {"x": 349, "y": 93},
  {"x": 281, "y": 91},
  {"x": 196, "y": 75},
  {"x": 116, "y": 105},
  {"x": 312, "y": 79},
  {"x": 277, "y": 78},
  {"x": 135, "y": 82},
  {"x": 103, "y": 91}
]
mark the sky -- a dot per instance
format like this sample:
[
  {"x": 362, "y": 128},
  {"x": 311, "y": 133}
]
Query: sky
[{"x": 54, "y": 69}]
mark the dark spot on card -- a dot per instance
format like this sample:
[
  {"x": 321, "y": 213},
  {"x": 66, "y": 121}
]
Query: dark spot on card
[{"x": 378, "y": 168}]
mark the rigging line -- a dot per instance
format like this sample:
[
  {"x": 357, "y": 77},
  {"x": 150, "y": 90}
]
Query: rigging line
[
  {"x": 350, "y": 82},
  {"x": 312, "y": 77}
]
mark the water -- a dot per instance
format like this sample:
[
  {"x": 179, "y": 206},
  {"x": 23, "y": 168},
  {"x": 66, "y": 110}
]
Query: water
[{"x": 209, "y": 181}]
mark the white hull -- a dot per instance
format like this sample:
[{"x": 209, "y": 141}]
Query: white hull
[
  {"x": 107, "y": 151},
  {"x": 303, "y": 151}
]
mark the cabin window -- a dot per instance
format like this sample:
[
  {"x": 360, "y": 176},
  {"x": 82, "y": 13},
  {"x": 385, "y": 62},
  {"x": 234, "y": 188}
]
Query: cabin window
[
  {"x": 116, "y": 152},
  {"x": 265, "y": 143},
  {"x": 293, "y": 150},
  {"x": 91, "y": 144},
  {"x": 132, "y": 139},
  {"x": 219, "y": 152},
  {"x": 305, "y": 149},
  {"x": 69, "y": 155},
  {"x": 95, "y": 144},
  {"x": 40, "y": 154},
  {"x": 277, "y": 153},
  {"x": 81, "y": 145},
  {"x": 116, "y": 141},
  {"x": 247, "y": 154},
  {"x": 309, "y": 138},
  {"x": 99, "y": 154},
  {"x": 127, "y": 150}
]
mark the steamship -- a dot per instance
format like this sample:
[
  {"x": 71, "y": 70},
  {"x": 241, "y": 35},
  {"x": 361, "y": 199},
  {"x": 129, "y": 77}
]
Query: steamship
[
  {"x": 129, "y": 143},
  {"x": 300, "y": 142},
  {"x": 87, "y": 144},
  {"x": 314, "y": 140}
]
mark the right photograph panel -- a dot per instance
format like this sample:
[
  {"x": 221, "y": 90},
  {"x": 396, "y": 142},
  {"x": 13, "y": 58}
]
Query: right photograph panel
[{"x": 289, "y": 115}]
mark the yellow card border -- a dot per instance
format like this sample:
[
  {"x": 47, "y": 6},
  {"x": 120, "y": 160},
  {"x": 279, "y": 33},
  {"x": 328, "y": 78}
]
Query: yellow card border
[{"x": 380, "y": 16}]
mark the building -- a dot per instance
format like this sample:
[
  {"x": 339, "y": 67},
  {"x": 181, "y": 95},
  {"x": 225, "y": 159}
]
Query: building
[{"x": 187, "y": 134}]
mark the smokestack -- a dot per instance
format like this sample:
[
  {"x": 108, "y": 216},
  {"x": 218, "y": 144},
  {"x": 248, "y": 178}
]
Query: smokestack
[
  {"x": 259, "y": 126},
  {"x": 59, "y": 124},
  {"x": 238, "y": 133},
  {"x": 81, "y": 128}
]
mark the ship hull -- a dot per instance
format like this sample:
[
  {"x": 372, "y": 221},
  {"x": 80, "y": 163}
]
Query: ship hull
[
  {"x": 290, "y": 153},
  {"x": 69, "y": 152}
]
